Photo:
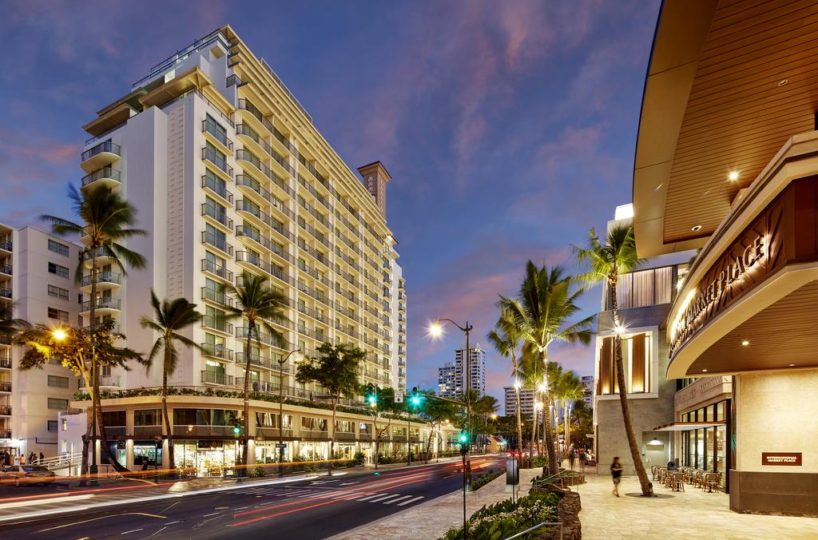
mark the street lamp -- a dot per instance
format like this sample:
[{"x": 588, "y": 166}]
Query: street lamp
[
  {"x": 436, "y": 332},
  {"x": 281, "y": 362},
  {"x": 59, "y": 335}
]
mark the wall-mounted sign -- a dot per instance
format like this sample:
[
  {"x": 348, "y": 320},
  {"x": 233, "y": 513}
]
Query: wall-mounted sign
[{"x": 791, "y": 459}]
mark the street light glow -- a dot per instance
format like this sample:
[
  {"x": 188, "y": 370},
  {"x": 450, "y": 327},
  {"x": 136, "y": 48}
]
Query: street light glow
[
  {"x": 517, "y": 384},
  {"x": 541, "y": 387},
  {"x": 435, "y": 330},
  {"x": 59, "y": 334},
  {"x": 619, "y": 330}
]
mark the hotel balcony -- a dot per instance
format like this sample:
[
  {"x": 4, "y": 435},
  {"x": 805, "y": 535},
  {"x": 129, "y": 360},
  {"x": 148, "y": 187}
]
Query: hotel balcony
[
  {"x": 264, "y": 338},
  {"x": 5, "y": 361},
  {"x": 219, "y": 298},
  {"x": 103, "y": 257},
  {"x": 217, "y": 242},
  {"x": 110, "y": 382},
  {"x": 217, "y": 324},
  {"x": 219, "y": 351},
  {"x": 5, "y": 410},
  {"x": 5, "y": 386},
  {"x": 105, "y": 280},
  {"x": 215, "y": 186},
  {"x": 5, "y": 269},
  {"x": 216, "y": 377},
  {"x": 216, "y": 270},
  {"x": 6, "y": 244},
  {"x": 107, "y": 176},
  {"x": 97, "y": 157},
  {"x": 104, "y": 306},
  {"x": 216, "y": 134},
  {"x": 5, "y": 293},
  {"x": 219, "y": 216},
  {"x": 219, "y": 162}
]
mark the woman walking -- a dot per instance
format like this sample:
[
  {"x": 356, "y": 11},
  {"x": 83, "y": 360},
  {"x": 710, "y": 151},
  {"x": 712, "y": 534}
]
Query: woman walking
[{"x": 616, "y": 475}]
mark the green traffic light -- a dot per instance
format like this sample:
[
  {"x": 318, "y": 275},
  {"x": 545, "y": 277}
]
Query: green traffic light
[
  {"x": 415, "y": 400},
  {"x": 372, "y": 399},
  {"x": 464, "y": 437},
  {"x": 236, "y": 430}
]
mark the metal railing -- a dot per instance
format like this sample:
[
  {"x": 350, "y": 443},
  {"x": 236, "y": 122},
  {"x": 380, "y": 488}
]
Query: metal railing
[
  {"x": 216, "y": 377},
  {"x": 105, "y": 146},
  {"x": 217, "y": 186},
  {"x": 536, "y": 527},
  {"x": 217, "y": 324},
  {"x": 211, "y": 126},
  {"x": 102, "y": 277},
  {"x": 105, "y": 172},
  {"x": 217, "y": 351},
  {"x": 216, "y": 242},
  {"x": 217, "y": 270},
  {"x": 103, "y": 303},
  {"x": 217, "y": 159},
  {"x": 213, "y": 211}
]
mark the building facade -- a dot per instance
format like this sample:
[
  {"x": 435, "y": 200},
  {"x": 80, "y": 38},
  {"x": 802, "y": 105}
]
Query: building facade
[
  {"x": 526, "y": 402},
  {"x": 477, "y": 365},
  {"x": 730, "y": 169},
  {"x": 588, "y": 396},
  {"x": 37, "y": 273},
  {"x": 228, "y": 175},
  {"x": 448, "y": 385}
]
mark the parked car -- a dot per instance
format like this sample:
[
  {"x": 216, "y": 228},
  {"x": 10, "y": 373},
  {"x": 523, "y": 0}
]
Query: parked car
[{"x": 26, "y": 474}]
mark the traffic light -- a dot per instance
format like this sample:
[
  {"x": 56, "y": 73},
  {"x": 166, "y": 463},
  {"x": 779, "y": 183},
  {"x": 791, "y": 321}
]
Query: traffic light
[
  {"x": 371, "y": 395},
  {"x": 464, "y": 437},
  {"x": 236, "y": 429},
  {"x": 416, "y": 399}
]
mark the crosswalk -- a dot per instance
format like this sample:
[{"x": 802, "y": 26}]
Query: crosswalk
[{"x": 360, "y": 495}]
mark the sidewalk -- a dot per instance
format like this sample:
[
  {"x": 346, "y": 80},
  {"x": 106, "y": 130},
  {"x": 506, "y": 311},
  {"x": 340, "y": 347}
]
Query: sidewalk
[
  {"x": 692, "y": 514},
  {"x": 433, "y": 518}
]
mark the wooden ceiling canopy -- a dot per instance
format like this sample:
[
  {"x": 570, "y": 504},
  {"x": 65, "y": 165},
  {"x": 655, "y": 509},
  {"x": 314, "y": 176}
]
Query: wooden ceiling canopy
[{"x": 729, "y": 82}]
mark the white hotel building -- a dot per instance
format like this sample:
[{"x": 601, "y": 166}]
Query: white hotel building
[{"x": 228, "y": 174}]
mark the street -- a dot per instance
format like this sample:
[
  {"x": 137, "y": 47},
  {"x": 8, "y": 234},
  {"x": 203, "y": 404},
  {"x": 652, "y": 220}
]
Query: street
[{"x": 305, "y": 509}]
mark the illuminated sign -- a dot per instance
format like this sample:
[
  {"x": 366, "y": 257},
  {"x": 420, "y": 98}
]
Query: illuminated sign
[{"x": 790, "y": 459}]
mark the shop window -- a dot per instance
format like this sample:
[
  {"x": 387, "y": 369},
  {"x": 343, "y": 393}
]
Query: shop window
[
  {"x": 113, "y": 418},
  {"x": 148, "y": 417}
]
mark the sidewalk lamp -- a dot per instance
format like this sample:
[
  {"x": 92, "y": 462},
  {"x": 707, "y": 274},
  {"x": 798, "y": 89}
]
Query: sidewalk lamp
[{"x": 59, "y": 335}]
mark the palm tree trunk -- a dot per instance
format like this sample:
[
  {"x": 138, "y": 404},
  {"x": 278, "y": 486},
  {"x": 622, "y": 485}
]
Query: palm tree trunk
[
  {"x": 94, "y": 364},
  {"x": 567, "y": 425},
  {"x": 251, "y": 325},
  {"x": 533, "y": 434},
  {"x": 332, "y": 437},
  {"x": 553, "y": 466},
  {"x": 517, "y": 402},
  {"x": 644, "y": 483},
  {"x": 168, "y": 427}
]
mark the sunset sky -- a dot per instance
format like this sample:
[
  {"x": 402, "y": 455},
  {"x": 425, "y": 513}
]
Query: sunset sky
[{"x": 508, "y": 126}]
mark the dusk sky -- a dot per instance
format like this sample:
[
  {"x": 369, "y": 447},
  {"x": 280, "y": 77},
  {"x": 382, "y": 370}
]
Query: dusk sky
[{"x": 508, "y": 126}]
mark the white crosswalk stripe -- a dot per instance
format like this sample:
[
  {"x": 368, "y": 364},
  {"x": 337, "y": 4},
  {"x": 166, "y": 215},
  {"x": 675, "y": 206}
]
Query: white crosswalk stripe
[
  {"x": 403, "y": 498},
  {"x": 387, "y": 496},
  {"x": 370, "y": 497},
  {"x": 410, "y": 501}
]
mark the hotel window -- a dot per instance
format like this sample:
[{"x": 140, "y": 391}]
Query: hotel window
[
  {"x": 52, "y": 426},
  {"x": 58, "y": 404},
  {"x": 636, "y": 359},
  {"x": 216, "y": 130},
  {"x": 58, "y": 292},
  {"x": 57, "y": 247},
  {"x": 61, "y": 271},
  {"x": 57, "y": 382},
  {"x": 219, "y": 159},
  {"x": 58, "y": 315}
]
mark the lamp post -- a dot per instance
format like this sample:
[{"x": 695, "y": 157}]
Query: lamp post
[
  {"x": 436, "y": 331},
  {"x": 281, "y": 362}
]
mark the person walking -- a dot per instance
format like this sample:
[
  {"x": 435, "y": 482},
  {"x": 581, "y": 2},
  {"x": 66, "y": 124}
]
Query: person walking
[
  {"x": 583, "y": 459},
  {"x": 616, "y": 475},
  {"x": 572, "y": 456},
  {"x": 22, "y": 460},
  {"x": 42, "y": 458}
]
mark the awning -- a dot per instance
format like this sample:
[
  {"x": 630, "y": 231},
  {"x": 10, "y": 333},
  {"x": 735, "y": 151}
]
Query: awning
[{"x": 687, "y": 426}]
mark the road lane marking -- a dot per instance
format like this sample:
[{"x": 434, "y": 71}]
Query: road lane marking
[
  {"x": 387, "y": 496},
  {"x": 410, "y": 501},
  {"x": 213, "y": 514},
  {"x": 102, "y": 517},
  {"x": 51, "y": 500},
  {"x": 404, "y": 497},
  {"x": 370, "y": 497},
  {"x": 129, "y": 532}
]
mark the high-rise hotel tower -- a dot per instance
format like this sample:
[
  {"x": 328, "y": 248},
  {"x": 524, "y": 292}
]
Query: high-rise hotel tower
[{"x": 229, "y": 174}]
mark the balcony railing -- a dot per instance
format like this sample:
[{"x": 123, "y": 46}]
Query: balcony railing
[
  {"x": 217, "y": 187},
  {"x": 214, "y": 323},
  {"x": 5, "y": 363},
  {"x": 217, "y": 242},
  {"x": 220, "y": 216},
  {"x": 5, "y": 386},
  {"x": 217, "y": 297},
  {"x": 103, "y": 303},
  {"x": 217, "y": 159},
  {"x": 106, "y": 146},
  {"x": 217, "y": 131},
  {"x": 105, "y": 172},
  {"x": 314, "y": 434},
  {"x": 217, "y": 270},
  {"x": 216, "y": 377},
  {"x": 217, "y": 351},
  {"x": 274, "y": 433},
  {"x": 5, "y": 410},
  {"x": 102, "y": 277},
  {"x": 6, "y": 245},
  {"x": 6, "y": 269},
  {"x": 247, "y": 257}
]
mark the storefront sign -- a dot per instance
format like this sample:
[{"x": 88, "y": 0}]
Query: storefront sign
[{"x": 792, "y": 459}]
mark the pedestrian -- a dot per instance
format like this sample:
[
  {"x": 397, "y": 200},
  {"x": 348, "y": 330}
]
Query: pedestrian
[
  {"x": 21, "y": 460},
  {"x": 32, "y": 457},
  {"x": 583, "y": 459},
  {"x": 572, "y": 456},
  {"x": 42, "y": 457},
  {"x": 616, "y": 475}
]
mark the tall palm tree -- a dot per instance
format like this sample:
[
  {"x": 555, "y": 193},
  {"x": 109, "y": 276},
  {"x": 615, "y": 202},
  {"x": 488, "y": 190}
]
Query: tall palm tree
[
  {"x": 171, "y": 316},
  {"x": 258, "y": 304},
  {"x": 607, "y": 261},
  {"x": 106, "y": 220},
  {"x": 506, "y": 339},
  {"x": 569, "y": 389},
  {"x": 546, "y": 301}
]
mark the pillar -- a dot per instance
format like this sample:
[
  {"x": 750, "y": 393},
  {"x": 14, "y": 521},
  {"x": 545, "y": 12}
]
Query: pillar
[{"x": 129, "y": 454}]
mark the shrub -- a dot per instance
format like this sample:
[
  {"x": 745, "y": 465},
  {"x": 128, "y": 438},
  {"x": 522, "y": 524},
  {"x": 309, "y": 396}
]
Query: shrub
[
  {"x": 481, "y": 481},
  {"x": 359, "y": 458},
  {"x": 507, "y": 518}
]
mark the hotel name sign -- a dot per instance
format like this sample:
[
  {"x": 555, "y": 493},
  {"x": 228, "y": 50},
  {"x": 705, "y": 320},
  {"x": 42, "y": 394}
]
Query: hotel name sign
[{"x": 752, "y": 257}]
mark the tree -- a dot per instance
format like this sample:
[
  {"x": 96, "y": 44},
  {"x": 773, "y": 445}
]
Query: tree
[
  {"x": 74, "y": 352},
  {"x": 384, "y": 403},
  {"x": 506, "y": 339},
  {"x": 336, "y": 371},
  {"x": 582, "y": 422},
  {"x": 546, "y": 301},
  {"x": 436, "y": 411},
  {"x": 606, "y": 261},
  {"x": 170, "y": 316},
  {"x": 569, "y": 388},
  {"x": 259, "y": 304},
  {"x": 9, "y": 326},
  {"x": 106, "y": 220}
]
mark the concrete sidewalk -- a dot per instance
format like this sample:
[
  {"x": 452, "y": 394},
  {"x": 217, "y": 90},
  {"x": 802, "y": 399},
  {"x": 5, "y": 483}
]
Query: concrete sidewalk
[
  {"x": 433, "y": 518},
  {"x": 692, "y": 514}
]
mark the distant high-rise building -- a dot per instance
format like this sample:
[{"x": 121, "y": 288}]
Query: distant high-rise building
[
  {"x": 478, "y": 369},
  {"x": 588, "y": 383},
  {"x": 447, "y": 382},
  {"x": 526, "y": 402}
]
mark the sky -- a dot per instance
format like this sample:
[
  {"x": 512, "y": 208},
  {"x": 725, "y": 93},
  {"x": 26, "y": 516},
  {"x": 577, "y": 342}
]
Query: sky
[{"x": 508, "y": 127}]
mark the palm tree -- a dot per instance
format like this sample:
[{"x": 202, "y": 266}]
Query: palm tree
[
  {"x": 259, "y": 304},
  {"x": 9, "y": 326},
  {"x": 171, "y": 316},
  {"x": 606, "y": 262},
  {"x": 569, "y": 388},
  {"x": 506, "y": 340},
  {"x": 106, "y": 220},
  {"x": 335, "y": 370},
  {"x": 546, "y": 301}
]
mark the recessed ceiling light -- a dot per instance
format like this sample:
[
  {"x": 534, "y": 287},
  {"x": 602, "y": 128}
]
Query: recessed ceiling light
[
  {"x": 745, "y": 342},
  {"x": 792, "y": 365},
  {"x": 704, "y": 371},
  {"x": 696, "y": 228},
  {"x": 658, "y": 187},
  {"x": 733, "y": 176},
  {"x": 782, "y": 82}
]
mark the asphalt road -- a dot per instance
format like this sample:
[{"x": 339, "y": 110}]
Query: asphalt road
[{"x": 306, "y": 509}]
